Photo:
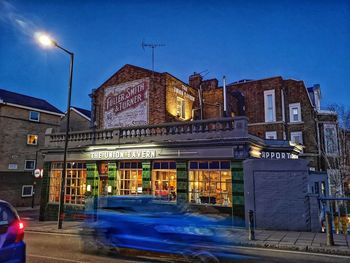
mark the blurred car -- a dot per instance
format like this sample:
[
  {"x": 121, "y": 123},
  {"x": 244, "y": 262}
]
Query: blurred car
[
  {"x": 12, "y": 246},
  {"x": 150, "y": 224}
]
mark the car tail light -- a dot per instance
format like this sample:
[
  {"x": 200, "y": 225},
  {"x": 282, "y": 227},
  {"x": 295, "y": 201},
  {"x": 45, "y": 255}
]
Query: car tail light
[{"x": 20, "y": 231}]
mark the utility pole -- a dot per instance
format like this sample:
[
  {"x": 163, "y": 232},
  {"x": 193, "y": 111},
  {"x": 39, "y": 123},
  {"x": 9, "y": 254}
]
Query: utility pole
[{"x": 153, "y": 46}]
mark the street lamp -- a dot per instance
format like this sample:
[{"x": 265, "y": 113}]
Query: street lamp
[{"x": 46, "y": 41}]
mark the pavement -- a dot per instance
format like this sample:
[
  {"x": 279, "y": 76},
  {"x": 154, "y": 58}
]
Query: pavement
[{"x": 284, "y": 240}]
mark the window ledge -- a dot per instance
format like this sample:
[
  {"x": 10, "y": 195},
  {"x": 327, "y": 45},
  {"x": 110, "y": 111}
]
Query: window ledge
[{"x": 296, "y": 122}]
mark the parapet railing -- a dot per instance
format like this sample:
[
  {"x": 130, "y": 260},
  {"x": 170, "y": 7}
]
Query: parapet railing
[{"x": 236, "y": 126}]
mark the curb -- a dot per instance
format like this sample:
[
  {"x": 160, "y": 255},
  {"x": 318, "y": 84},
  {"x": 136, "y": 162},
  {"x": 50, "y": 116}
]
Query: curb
[
  {"x": 67, "y": 232},
  {"x": 321, "y": 250}
]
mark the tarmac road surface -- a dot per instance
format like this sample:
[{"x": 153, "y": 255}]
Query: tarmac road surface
[{"x": 66, "y": 248}]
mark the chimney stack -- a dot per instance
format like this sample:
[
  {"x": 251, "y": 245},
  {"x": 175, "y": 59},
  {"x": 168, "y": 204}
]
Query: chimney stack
[{"x": 195, "y": 80}]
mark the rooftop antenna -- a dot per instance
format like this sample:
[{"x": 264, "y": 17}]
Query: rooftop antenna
[
  {"x": 153, "y": 46},
  {"x": 204, "y": 73}
]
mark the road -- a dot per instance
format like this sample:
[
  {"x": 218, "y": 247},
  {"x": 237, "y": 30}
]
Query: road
[{"x": 63, "y": 248}]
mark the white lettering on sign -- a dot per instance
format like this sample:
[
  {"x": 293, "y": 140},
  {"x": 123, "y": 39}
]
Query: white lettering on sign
[
  {"x": 184, "y": 93},
  {"x": 278, "y": 155},
  {"x": 132, "y": 154}
]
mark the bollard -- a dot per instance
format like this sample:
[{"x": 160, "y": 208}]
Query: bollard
[
  {"x": 251, "y": 225},
  {"x": 330, "y": 240}
]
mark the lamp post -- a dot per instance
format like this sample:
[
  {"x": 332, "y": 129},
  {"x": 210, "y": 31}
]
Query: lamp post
[{"x": 47, "y": 41}]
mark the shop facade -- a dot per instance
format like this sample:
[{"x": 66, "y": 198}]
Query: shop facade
[
  {"x": 199, "y": 163},
  {"x": 146, "y": 139}
]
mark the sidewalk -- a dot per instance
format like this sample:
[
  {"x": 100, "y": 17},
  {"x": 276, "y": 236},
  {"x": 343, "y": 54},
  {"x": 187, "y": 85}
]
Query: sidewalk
[{"x": 286, "y": 240}]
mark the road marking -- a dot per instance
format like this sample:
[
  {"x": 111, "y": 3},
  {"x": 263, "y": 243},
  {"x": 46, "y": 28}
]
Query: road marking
[
  {"x": 53, "y": 258},
  {"x": 50, "y": 233}
]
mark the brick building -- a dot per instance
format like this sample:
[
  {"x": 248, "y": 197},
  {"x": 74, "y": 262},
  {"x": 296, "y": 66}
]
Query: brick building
[
  {"x": 147, "y": 139},
  {"x": 80, "y": 119},
  {"x": 277, "y": 109},
  {"x": 23, "y": 122}
]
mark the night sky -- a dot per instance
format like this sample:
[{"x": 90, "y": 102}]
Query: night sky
[{"x": 303, "y": 40}]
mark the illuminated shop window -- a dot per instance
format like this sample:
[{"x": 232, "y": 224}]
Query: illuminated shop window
[
  {"x": 32, "y": 139},
  {"x": 180, "y": 108},
  {"x": 164, "y": 180},
  {"x": 130, "y": 178},
  {"x": 210, "y": 182},
  {"x": 75, "y": 183}
]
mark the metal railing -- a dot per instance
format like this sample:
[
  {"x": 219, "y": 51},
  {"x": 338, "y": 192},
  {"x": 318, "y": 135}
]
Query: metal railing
[{"x": 335, "y": 217}]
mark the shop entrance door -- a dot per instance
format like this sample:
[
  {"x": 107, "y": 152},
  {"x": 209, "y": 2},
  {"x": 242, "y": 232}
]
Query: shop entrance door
[
  {"x": 164, "y": 184},
  {"x": 103, "y": 186}
]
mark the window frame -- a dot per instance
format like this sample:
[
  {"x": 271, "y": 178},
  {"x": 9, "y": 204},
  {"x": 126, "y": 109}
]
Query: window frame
[
  {"x": 297, "y": 134},
  {"x": 31, "y": 192},
  {"x": 75, "y": 183},
  {"x": 36, "y": 141},
  {"x": 199, "y": 188},
  {"x": 268, "y": 133},
  {"x": 266, "y": 108},
  {"x": 126, "y": 168},
  {"x": 30, "y": 116},
  {"x": 291, "y": 115},
  {"x": 167, "y": 178},
  {"x": 182, "y": 113},
  {"x": 25, "y": 165}
]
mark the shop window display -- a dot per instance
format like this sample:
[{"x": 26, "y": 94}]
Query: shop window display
[
  {"x": 130, "y": 178},
  {"x": 210, "y": 182},
  {"x": 164, "y": 180},
  {"x": 75, "y": 183}
]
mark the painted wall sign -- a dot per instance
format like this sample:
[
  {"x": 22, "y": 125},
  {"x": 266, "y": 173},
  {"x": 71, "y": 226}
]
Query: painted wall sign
[
  {"x": 278, "y": 155},
  {"x": 126, "y": 104},
  {"x": 184, "y": 93},
  {"x": 123, "y": 154}
]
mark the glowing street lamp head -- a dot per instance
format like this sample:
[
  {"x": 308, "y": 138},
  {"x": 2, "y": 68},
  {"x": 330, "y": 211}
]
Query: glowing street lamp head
[{"x": 45, "y": 40}]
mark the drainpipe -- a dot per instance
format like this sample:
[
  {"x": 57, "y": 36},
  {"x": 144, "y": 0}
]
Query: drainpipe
[
  {"x": 285, "y": 117},
  {"x": 200, "y": 101},
  {"x": 318, "y": 142},
  {"x": 225, "y": 96}
]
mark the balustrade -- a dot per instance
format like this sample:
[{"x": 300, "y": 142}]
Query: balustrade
[{"x": 125, "y": 134}]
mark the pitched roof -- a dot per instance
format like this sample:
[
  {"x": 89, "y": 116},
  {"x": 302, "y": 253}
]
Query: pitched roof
[
  {"x": 27, "y": 101},
  {"x": 86, "y": 113}
]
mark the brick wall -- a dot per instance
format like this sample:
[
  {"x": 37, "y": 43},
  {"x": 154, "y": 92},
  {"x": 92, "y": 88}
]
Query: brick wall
[
  {"x": 129, "y": 73},
  {"x": 15, "y": 126},
  {"x": 293, "y": 92},
  {"x": 11, "y": 188},
  {"x": 76, "y": 123},
  {"x": 177, "y": 89},
  {"x": 162, "y": 96}
]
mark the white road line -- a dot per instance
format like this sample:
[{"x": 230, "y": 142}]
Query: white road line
[
  {"x": 50, "y": 233},
  {"x": 53, "y": 258}
]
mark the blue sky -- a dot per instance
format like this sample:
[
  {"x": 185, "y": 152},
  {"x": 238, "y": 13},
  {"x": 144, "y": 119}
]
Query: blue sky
[{"x": 304, "y": 40}]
